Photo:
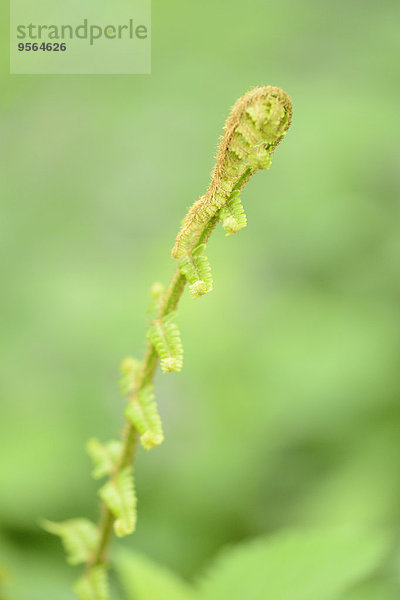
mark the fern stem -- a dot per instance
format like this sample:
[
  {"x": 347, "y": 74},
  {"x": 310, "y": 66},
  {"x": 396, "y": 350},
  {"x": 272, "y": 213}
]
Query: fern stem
[
  {"x": 106, "y": 529},
  {"x": 131, "y": 436}
]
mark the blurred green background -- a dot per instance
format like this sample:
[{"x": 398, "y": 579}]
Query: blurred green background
[{"x": 287, "y": 411}]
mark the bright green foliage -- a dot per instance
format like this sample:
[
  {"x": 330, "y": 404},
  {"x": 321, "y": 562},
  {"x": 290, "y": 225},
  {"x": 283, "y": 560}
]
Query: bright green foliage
[
  {"x": 143, "y": 414},
  {"x": 130, "y": 371},
  {"x": 79, "y": 538},
  {"x": 93, "y": 585},
  {"x": 295, "y": 565},
  {"x": 232, "y": 215},
  {"x": 104, "y": 456},
  {"x": 119, "y": 495},
  {"x": 143, "y": 579},
  {"x": 165, "y": 337},
  {"x": 197, "y": 271}
]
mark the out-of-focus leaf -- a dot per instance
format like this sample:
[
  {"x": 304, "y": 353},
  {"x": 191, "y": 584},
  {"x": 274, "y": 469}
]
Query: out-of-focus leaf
[
  {"x": 294, "y": 565},
  {"x": 143, "y": 579},
  {"x": 373, "y": 591}
]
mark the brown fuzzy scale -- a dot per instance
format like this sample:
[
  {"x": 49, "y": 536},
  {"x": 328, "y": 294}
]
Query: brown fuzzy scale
[{"x": 246, "y": 119}]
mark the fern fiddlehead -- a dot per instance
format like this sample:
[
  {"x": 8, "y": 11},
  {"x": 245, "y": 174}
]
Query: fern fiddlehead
[{"x": 257, "y": 123}]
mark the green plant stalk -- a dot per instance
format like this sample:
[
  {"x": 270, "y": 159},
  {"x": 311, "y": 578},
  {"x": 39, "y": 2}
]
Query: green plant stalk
[{"x": 130, "y": 436}]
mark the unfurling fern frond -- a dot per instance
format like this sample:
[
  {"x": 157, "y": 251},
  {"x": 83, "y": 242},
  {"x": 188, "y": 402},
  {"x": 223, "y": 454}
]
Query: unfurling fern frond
[
  {"x": 79, "y": 538},
  {"x": 165, "y": 337},
  {"x": 143, "y": 414},
  {"x": 232, "y": 215},
  {"x": 257, "y": 123},
  {"x": 197, "y": 271},
  {"x": 104, "y": 456},
  {"x": 119, "y": 495},
  {"x": 93, "y": 585},
  {"x": 130, "y": 372}
]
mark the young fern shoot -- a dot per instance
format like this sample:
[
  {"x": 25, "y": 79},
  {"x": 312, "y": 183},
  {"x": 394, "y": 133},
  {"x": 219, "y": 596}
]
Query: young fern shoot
[{"x": 257, "y": 123}]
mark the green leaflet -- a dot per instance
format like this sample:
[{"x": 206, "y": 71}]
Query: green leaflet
[
  {"x": 104, "y": 456},
  {"x": 165, "y": 337},
  {"x": 130, "y": 371},
  {"x": 143, "y": 414},
  {"x": 232, "y": 215},
  {"x": 93, "y": 585},
  {"x": 79, "y": 538},
  {"x": 197, "y": 271},
  {"x": 144, "y": 579},
  {"x": 250, "y": 130},
  {"x": 303, "y": 564},
  {"x": 260, "y": 158},
  {"x": 119, "y": 495}
]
